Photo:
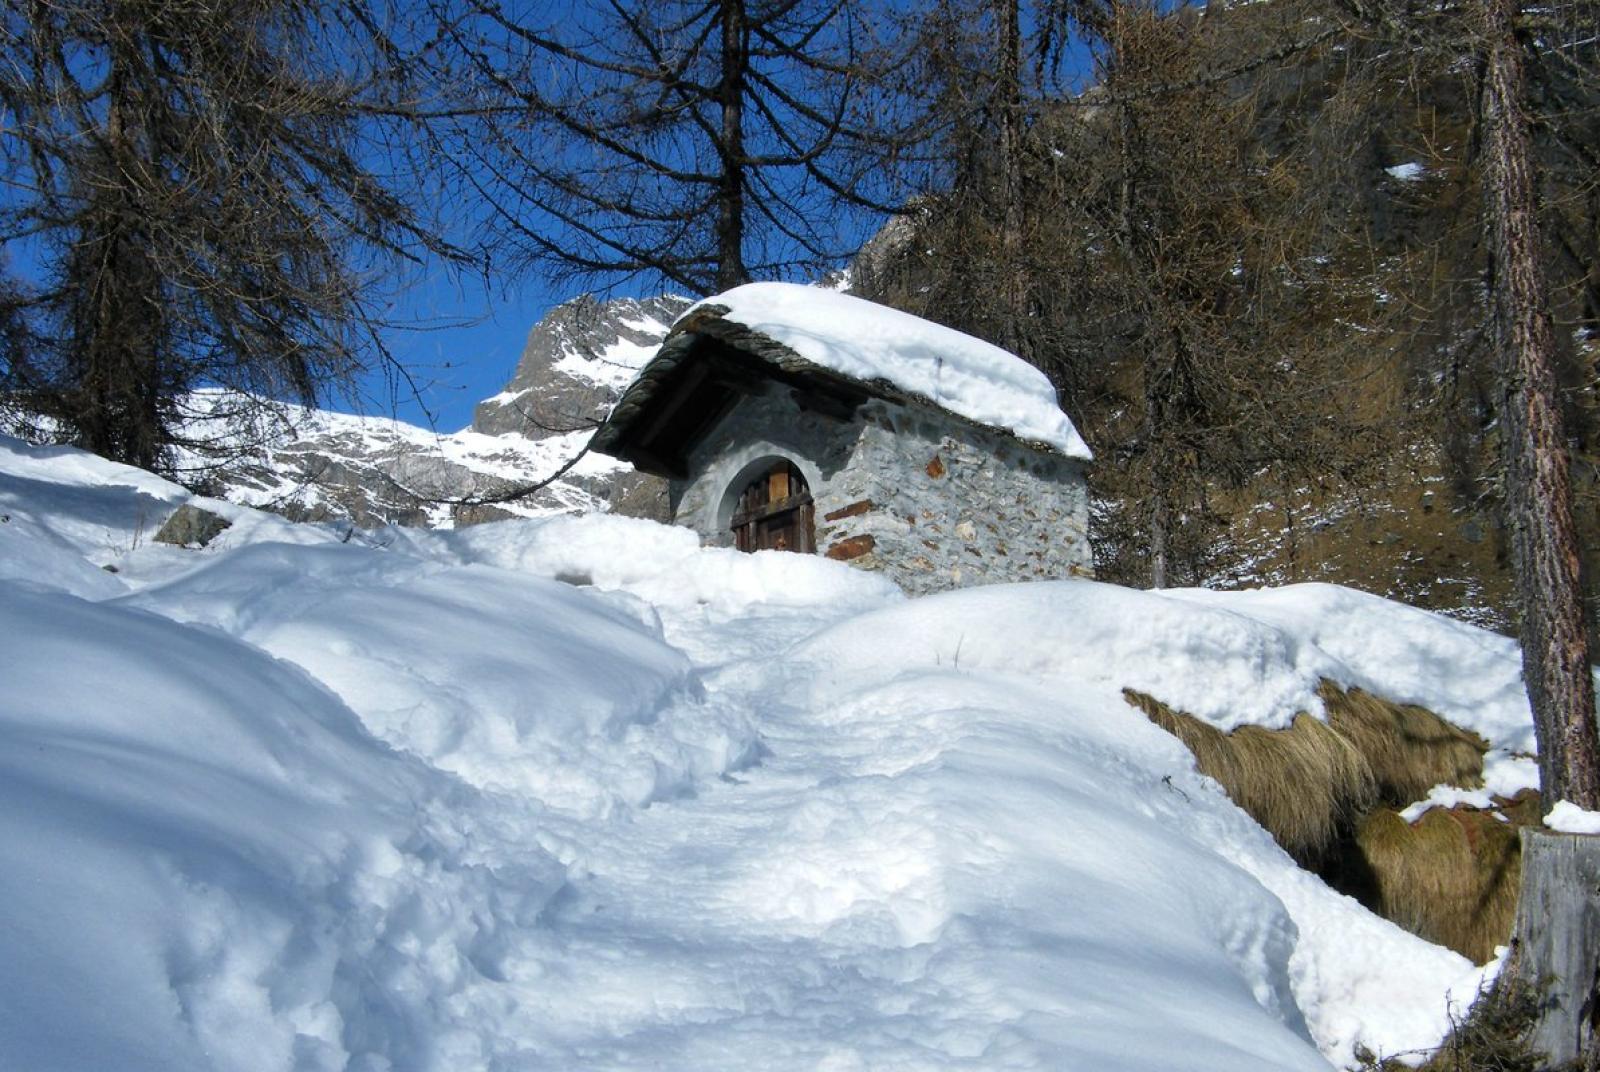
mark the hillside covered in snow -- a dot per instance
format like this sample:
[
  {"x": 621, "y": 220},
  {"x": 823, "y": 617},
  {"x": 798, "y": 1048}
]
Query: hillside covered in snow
[
  {"x": 373, "y": 470},
  {"x": 575, "y": 792},
  {"x": 317, "y": 465}
]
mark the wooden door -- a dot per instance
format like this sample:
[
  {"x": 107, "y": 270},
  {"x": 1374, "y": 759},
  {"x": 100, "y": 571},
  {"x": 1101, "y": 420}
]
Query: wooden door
[{"x": 774, "y": 512}]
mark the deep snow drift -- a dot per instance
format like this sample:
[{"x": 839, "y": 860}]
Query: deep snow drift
[{"x": 576, "y": 793}]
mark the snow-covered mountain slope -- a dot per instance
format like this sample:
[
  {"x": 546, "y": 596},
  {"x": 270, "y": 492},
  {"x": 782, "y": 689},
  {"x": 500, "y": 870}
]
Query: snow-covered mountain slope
[
  {"x": 576, "y": 362},
  {"x": 317, "y": 465},
  {"x": 576, "y": 793},
  {"x": 372, "y": 471}
]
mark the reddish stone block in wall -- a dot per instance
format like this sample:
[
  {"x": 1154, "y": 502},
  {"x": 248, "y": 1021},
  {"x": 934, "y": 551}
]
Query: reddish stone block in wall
[
  {"x": 854, "y": 547},
  {"x": 852, "y": 510}
]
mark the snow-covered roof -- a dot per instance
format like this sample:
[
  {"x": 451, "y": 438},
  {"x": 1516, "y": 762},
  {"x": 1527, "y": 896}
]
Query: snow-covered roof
[
  {"x": 811, "y": 332},
  {"x": 869, "y": 341}
]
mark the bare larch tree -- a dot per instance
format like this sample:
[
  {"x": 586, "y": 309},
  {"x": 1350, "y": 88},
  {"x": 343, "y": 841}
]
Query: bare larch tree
[
  {"x": 695, "y": 143},
  {"x": 1544, "y": 536},
  {"x": 189, "y": 203}
]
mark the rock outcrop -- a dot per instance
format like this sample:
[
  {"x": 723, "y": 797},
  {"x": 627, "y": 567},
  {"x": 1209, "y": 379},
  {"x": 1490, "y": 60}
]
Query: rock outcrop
[
  {"x": 574, "y": 366},
  {"x": 191, "y": 526},
  {"x": 575, "y": 363}
]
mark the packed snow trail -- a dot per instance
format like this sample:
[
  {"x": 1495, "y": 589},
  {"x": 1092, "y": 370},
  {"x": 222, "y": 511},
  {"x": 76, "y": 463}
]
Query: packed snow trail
[
  {"x": 845, "y": 904},
  {"x": 411, "y": 803}
]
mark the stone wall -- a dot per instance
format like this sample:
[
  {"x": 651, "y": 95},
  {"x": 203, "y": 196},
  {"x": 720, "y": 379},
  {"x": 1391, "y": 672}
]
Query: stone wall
[
  {"x": 932, "y": 502},
  {"x": 760, "y": 428},
  {"x": 937, "y": 504}
]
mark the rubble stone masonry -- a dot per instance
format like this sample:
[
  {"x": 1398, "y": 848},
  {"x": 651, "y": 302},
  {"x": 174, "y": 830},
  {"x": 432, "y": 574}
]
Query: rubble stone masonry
[{"x": 933, "y": 502}]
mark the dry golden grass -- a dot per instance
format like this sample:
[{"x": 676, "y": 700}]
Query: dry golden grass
[
  {"x": 1492, "y": 1037},
  {"x": 1451, "y": 877},
  {"x": 1306, "y": 784},
  {"x": 1409, "y": 749},
  {"x": 1319, "y": 789}
]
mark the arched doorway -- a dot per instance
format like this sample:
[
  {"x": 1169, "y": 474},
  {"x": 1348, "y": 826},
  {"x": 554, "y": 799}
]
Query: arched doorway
[{"x": 774, "y": 511}]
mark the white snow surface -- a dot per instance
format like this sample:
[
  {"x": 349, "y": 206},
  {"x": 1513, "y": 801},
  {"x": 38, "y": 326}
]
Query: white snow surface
[
  {"x": 1448, "y": 796},
  {"x": 1567, "y": 818},
  {"x": 870, "y": 342},
  {"x": 1470, "y": 676},
  {"x": 577, "y": 793}
]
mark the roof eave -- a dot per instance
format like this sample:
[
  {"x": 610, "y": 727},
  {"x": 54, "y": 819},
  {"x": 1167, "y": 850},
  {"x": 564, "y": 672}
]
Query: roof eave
[{"x": 759, "y": 355}]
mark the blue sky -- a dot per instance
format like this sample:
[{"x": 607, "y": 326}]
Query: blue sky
[
  {"x": 461, "y": 345},
  {"x": 458, "y": 336}
]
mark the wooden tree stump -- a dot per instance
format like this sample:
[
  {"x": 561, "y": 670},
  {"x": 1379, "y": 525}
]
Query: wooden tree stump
[{"x": 1556, "y": 947}]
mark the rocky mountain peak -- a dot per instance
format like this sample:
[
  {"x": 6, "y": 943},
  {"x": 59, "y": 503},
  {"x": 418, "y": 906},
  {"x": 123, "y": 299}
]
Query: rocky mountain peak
[{"x": 576, "y": 362}]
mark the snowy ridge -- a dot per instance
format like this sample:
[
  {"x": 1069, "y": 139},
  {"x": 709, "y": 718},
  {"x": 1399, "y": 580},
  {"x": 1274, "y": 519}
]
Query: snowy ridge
[
  {"x": 577, "y": 359},
  {"x": 608, "y": 366},
  {"x": 614, "y": 365},
  {"x": 322, "y": 465},
  {"x": 1229, "y": 658},
  {"x": 314, "y": 800},
  {"x": 504, "y": 457}
]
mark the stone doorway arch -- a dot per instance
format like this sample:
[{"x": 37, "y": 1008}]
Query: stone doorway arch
[{"x": 774, "y": 511}]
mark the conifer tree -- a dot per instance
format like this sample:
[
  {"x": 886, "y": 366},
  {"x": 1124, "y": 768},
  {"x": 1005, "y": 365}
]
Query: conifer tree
[
  {"x": 1556, "y": 662},
  {"x": 189, "y": 203}
]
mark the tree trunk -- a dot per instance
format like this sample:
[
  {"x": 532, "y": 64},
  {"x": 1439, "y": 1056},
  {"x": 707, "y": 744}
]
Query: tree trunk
[
  {"x": 1014, "y": 280},
  {"x": 1136, "y": 258},
  {"x": 1555, "y": 649},
  {"x": 1160, "y": 525},
  {"x": 115, "y": 357},
  {"x": 730, "y": 189},
  {"x": 1556, "y": 943}
]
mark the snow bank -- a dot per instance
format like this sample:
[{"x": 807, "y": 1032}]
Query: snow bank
[
  {"x": 68, "y": 514},
  {"x": 1568, "y": 818},
  {"x": 577, "y": 793},
  {"x": 207, "y": 863},
  {"x": 514, "y": 682},
  {"x": 1230, "y": 658},
  {"x": 1470, "y": 676},
  {"x": 666, "y": 566},
  {"x": 870, "y": 341},
  {"x": 1041, "y": 666},
  {"x": 208, "y": 859}
]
